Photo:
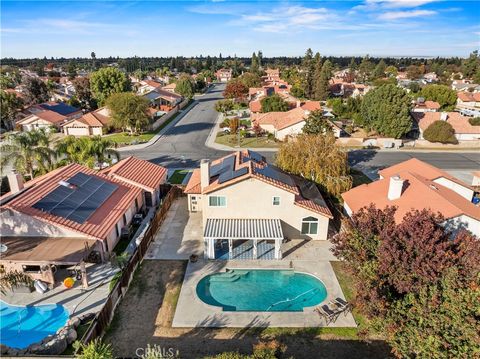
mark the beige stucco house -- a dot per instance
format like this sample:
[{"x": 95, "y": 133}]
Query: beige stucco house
[
  {"x": 57, "y": 220},
  {"x": 249, "y": 204}
]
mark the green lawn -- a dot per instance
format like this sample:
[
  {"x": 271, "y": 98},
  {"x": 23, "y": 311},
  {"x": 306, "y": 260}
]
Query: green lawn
[
  {"x": 348, "y": 289},
  {"x": 252, "y": 142},
  {"x": 125, "y": 139},
  {"x": 177, "y": 176}
]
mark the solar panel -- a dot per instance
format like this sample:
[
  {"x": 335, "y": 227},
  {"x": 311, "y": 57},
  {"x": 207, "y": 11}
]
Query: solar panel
[
  {"x": 226, "y": 165},
  {"x": 78, "y": 202},
  {"x": 229, "y": 175},
  {"x": 273, "y": 173},
  {"x": 256, "y": 156}
]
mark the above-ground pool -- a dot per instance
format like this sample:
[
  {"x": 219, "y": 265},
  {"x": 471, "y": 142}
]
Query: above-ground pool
[
  {"x": 21, "y": 326},
  {"x": 261, "y": 290}
]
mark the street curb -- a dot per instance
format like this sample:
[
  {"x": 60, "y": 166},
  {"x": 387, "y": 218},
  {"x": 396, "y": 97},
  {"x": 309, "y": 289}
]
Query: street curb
[{"x": 155, "y": 138}]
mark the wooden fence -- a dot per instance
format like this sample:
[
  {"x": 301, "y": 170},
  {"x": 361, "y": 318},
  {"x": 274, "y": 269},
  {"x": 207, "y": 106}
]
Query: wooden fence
[{"x": 104, "y": 317}]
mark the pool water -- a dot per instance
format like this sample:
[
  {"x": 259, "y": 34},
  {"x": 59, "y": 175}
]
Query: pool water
[
  {"x": 261, "y": 290},
  {"x": 21, "y": 326}
]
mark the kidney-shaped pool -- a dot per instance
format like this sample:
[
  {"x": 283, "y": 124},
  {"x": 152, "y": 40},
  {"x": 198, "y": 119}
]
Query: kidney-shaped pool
[{"x": 261, "y": 290}]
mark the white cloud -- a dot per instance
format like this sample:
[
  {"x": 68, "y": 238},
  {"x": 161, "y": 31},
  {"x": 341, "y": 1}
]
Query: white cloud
[
  {"x": 399, "y": 3},
  {"x": 395, "y": 15}
]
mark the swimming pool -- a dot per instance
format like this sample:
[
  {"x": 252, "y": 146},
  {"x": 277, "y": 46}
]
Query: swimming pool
[
  {"x": 21, "y": 326},
  {"x": 261, "y": 290}
]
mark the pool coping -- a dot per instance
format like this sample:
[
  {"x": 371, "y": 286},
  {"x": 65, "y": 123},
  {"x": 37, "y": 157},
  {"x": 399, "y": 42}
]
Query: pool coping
[{"x": 191, "y": 311}]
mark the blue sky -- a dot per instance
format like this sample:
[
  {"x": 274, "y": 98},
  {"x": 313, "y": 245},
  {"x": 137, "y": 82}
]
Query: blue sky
[{"x": 165, "y": 28}]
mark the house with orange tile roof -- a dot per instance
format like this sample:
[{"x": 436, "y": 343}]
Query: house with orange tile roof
[
  {"x": 140, "y": 173},
  {"x": 60, "y": 218},
  {"x": 94, "y": 123},
  {"x": 468, "y": 99},
  {"x": 247, "y": 202},
  {"x": 422, "y": 105},
  {"x": 170, "y": 87},
  {"x": 224, "y": 75},
  {"x": 47, "y": 115},
  {"x": 283, "y": 124},
  {"x": 464, "y": 130},
  {"x": 416, "y": 185},
  {"x": 147, "y": 86}
]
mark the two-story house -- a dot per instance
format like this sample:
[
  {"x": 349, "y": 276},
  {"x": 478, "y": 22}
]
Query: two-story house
[{"x": 251, "y": 206}]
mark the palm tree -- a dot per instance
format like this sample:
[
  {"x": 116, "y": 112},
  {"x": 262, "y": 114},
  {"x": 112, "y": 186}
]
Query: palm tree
[
  {"x": 29, "y": 152},
  {"x": 12, "y": 279},
  {"x": 88, "y": 151}
]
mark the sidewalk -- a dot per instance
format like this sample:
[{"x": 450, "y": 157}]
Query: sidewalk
[
  {"x": 160, "y": 133},
  {"x": 210, "y": 142}
]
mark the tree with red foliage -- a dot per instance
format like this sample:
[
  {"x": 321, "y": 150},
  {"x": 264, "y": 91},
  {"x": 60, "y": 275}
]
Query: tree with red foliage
[
  {"x": 417, "y": 280},
  {"x": 235, "y": 89}
]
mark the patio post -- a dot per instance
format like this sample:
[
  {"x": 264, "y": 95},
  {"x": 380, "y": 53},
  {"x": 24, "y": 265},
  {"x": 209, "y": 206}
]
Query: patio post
[
  {"x": 255, "y": 249},
  {"x": 230, "y": 248},
  {"x": 211, "y": 248},
  {"x": 278, "y": 254}
]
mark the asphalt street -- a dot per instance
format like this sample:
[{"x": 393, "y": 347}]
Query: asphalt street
[{"x": 183, "y": 145}]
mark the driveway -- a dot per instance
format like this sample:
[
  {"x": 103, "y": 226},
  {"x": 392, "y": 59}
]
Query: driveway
[{"x": 180, "y": 234}]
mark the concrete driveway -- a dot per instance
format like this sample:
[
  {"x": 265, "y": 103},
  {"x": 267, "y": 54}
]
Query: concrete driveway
[{"x": 180, "y": 234}]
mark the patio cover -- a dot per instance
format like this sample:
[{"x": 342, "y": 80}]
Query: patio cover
[
  {"x": 53, "y": 250},
  {"x": 243, "y": 229}
]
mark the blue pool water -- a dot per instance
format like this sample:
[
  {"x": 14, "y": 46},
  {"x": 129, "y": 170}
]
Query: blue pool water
[
  {"x": 261, "y": 290},
  {"x": 21, "y": 326}
]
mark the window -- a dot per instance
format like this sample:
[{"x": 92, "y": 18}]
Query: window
[
  {"x": 309, "y": 225},
  {"x": 31, "y": 269},
  {"x": 217, "y": 201},
  {"x": 276, "y": 201},
  {"x": 124, "y": 219}
]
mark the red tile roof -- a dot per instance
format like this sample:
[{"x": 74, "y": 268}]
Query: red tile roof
[
  {"x": 459, "y": 122},
  {"x": 419, "y": 192},
  {"x": 99, "y": 224},
  {"x": 466, "y": 96},
  {"x": 143, "y": 173},
  {"x": 281, "y": 120},
  {"x": 243, "y": 160},
  {"x": 431, "y": 105}
]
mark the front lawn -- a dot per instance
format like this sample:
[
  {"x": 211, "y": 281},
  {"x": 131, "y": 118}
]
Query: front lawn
[
  {"x": 124, "y": 138},
  {"x": 251, "y": 142},
  {"x": 177, "y": 177}
]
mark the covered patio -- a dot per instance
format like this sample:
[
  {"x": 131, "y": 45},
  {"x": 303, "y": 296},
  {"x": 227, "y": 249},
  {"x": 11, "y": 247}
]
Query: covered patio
[{"x": 243, "y": 239}]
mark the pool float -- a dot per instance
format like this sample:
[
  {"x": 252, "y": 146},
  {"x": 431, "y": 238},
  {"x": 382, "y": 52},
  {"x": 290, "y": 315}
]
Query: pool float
[
  {"x": 40, "y": 287},
  {"x": 68, "y": 282}
]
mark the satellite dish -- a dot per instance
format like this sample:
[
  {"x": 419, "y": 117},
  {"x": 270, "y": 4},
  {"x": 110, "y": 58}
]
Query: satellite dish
[{"x": 3, "y": 248}]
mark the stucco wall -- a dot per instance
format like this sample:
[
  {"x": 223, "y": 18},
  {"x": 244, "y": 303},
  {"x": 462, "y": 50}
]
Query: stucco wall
[
  {"x": 18, "y": 224},
  {"x": 463, "y": 191},
  {"x": 252, "y": 199},
  {"x": 290, "y": 131}
]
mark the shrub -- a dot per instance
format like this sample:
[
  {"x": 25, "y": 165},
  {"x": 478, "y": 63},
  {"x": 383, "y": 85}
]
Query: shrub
[
  {"x": 440, "y": 131},
  {"x": 474, "y": 121}
]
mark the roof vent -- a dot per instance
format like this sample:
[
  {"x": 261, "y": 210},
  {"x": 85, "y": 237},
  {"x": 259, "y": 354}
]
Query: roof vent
[{"x": 432, "y": 186}]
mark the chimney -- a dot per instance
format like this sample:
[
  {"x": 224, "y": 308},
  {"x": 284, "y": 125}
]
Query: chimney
[
  {"x": 298, "y": 104},
  {"x": 395, "y": 188},
  {"x": 444, "y": 116},
  {"x": 204, "y": 173},
  {"x": 15, "y": 180}
]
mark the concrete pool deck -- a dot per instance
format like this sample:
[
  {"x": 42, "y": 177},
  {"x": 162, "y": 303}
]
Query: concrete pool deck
[
  {"x": 77, "y": 301},
  {"x": 193, "y": 312}
]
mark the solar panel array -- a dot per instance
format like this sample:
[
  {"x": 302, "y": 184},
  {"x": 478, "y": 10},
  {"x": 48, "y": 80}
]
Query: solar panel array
[
  {"x": 229, "y": 175},
  {"x": 271, "y": 172},
  {"x": 78, "y": 203}
]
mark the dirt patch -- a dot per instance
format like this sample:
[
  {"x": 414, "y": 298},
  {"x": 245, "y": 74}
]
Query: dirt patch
[{"x": 146, "y": 313}]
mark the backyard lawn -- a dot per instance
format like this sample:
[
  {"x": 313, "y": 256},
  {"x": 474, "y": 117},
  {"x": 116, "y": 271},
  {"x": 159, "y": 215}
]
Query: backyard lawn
[
  {"x": 252, "y": 142},
  {"x": 146, "y": 313},
  {"x": 178, "y": 176}
]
